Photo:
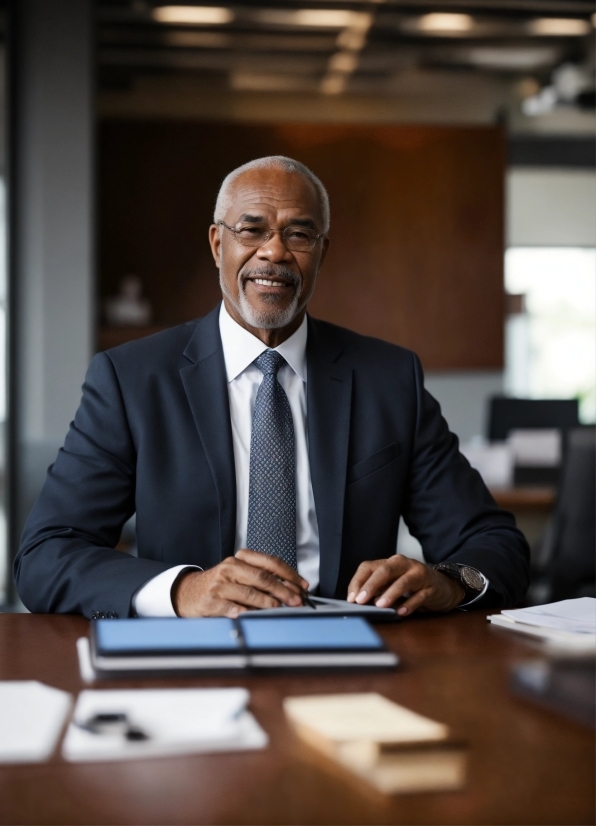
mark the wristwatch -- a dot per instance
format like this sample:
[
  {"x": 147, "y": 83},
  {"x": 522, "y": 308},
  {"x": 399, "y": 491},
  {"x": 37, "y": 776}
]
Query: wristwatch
[{"x": 471, "y": 580}]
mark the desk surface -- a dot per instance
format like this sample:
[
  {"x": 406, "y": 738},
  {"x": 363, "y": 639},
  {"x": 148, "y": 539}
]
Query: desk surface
[{"x": 526, "y": 765}]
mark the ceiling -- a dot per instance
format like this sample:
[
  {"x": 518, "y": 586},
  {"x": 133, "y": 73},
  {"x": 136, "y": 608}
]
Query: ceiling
[{"x": 332, "y": 49}]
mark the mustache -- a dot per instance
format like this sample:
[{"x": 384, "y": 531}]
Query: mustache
[{"x": 273, "y": 271}]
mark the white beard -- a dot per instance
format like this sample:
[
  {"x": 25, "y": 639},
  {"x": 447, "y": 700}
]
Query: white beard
[{"x": 270, "y": 319}]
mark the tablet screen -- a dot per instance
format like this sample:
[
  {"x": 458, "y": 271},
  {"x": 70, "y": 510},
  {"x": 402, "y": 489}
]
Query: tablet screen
[
  {"x": 309, "y": 634},
  {"x": 153, "y": 636}
]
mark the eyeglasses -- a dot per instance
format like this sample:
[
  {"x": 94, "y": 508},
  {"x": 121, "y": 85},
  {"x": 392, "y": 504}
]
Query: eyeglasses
[{"x": 298, "y": 239}]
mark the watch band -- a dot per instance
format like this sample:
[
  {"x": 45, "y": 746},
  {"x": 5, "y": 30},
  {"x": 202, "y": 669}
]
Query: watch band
[{"x": 472, "y": 581}]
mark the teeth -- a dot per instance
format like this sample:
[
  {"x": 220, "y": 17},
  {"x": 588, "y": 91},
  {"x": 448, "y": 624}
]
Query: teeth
[{"x": 267, "y": 283}]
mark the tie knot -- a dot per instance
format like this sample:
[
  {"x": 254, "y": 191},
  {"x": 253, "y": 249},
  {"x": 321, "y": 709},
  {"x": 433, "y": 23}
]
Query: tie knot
[{"x": 269, "y": 362}]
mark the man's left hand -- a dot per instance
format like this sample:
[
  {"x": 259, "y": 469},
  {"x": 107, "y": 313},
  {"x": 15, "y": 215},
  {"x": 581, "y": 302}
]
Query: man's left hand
[{"x": 384, "y": 581}]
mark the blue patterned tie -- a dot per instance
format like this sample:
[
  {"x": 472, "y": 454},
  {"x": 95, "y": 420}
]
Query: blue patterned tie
[{"x": 272, "y": 482}]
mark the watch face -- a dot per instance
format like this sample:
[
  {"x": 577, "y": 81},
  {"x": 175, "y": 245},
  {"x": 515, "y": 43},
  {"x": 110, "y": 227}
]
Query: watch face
[{"x": 472, "y": 579}]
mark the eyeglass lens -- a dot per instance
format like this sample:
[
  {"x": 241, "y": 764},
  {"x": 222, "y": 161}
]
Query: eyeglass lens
[{"x": 294, "y": 238}]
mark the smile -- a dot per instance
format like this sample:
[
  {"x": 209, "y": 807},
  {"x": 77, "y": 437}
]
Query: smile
[{"x": 266, "y": 282}]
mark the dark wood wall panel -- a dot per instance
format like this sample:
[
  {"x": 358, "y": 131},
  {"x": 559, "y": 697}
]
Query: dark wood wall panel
[{"x": 416, "y": 225}]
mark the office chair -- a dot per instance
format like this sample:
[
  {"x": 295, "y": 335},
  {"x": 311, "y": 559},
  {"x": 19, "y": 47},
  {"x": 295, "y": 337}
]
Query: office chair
[
  {"x": 564, "y": 565},
  {"x": 506, "y": 414}
]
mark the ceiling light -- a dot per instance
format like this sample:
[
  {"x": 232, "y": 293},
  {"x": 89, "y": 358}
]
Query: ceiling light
[
  {"x": 318, "y": 18},
  {"x": 511, "y": 59},
  {"x": 351, "y": 39},
  {"x": 263, "y": 82},
  {"x": 445, "y": 23},
  {"x": 193, "y": 15},
  {"x": 184, "y": 39},
  {"x": 333, "y": 84},
  {"x": 559, "y": 26},
  {"x": 343, "y": 62}
]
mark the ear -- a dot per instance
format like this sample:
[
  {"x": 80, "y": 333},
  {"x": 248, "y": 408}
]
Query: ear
[
  {"x": 324, "y": 250},
  {"x": 215, "y": 243}
]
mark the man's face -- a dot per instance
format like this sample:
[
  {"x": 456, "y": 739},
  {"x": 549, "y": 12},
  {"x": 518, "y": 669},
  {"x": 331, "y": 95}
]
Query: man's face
[{"x": 268, "y": 287}]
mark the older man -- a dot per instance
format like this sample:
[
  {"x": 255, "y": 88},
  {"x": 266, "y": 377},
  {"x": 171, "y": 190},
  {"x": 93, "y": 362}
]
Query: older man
[{"x": 263, "y": 452}]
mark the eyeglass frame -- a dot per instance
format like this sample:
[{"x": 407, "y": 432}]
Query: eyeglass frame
[{"x": 271, "y": 231}]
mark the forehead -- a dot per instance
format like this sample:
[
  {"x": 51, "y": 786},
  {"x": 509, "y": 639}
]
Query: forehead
[{"x": 276, "y": 193}]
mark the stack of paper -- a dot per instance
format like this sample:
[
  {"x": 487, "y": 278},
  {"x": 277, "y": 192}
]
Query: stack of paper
[
  {"x": 569, "y": 624},
  {"x": 157, "y": 722},
  {"x": 31, "y": 719},
  {"x": 388, "y": 746}
]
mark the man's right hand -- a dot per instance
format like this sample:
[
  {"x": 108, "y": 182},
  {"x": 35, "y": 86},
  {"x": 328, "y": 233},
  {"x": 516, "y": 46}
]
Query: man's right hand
[{"x": 246, "y": 581}]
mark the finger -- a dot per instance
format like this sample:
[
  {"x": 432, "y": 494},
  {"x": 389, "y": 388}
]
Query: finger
[
  {"x": 235, "y": 610},
  {"x": 363, "y": 572},
  {"x": 246, "y": 574},
  {"x": 273, "y": 564},
  {"x": 300, "y": 592},
  {"x": 416, "y": 601},
  {"x": 249, "y": 576},
  {"x": 248, "y": 596},
  {"x": 387, "y": 572},
  {"x": 411, "y": 581},
  {"x": 216, "y": 608}
]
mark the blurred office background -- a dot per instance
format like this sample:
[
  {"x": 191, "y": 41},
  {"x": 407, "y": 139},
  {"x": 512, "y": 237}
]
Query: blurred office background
[{"x": 456, "y": 141}]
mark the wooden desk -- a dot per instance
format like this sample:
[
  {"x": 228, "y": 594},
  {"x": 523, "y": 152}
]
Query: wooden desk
[{"x": 525, "y": 766}]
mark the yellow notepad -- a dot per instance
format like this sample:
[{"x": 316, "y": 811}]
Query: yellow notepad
[{"x": 389, "y": 746}]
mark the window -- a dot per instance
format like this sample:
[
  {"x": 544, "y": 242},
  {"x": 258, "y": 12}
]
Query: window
[{"x": 551, "y": 347}]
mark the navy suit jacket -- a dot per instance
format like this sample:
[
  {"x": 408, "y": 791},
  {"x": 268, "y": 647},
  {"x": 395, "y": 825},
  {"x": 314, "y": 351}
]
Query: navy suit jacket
[{"x": 153, "y": 436}]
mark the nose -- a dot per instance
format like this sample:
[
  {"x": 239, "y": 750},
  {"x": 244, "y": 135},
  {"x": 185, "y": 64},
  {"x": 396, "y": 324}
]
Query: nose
[{"x": 274, "y": 249}]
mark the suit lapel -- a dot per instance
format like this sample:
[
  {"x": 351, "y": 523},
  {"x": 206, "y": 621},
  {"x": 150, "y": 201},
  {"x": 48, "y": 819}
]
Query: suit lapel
[
  {"x": 329, "y": 395},
  {"x": 206, "y": 388}
]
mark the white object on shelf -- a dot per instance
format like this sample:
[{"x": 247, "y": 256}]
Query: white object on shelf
[
  {"x": 494, "y": 462},
  {"x": 128, "y": 308},
  {"x": 535, "y": 448}
]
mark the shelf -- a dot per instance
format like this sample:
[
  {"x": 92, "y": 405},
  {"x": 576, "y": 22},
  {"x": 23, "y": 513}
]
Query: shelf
[
  {"x": 535, "y": 498},
  {"x": 108, "y": 337}
]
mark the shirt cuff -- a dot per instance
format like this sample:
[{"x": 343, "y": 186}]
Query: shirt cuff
[
  {"x": 481, "y": 594},
  {"x": 154, "y": 599}
]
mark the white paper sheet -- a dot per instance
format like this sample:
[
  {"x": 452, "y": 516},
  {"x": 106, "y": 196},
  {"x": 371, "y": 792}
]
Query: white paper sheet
[
  {"x": 177, "y": 721},
  {"x": 577, "y": 616},
  {"x": 31, "y": 718},
  {"x": 84, "y": 655},
  {"x": 562, "y": 641}
]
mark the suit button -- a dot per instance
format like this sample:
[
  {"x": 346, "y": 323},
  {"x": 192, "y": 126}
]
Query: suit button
[
  {"x": 93, "y": 614},
  {"x": 112, "y": 615},
  {"x": 102, "y": 614}
]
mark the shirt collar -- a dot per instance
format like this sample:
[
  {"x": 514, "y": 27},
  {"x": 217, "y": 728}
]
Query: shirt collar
[{"x": 241, "y": 348}]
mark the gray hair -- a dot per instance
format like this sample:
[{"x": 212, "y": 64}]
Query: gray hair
[{"x": 224, "y": 197}]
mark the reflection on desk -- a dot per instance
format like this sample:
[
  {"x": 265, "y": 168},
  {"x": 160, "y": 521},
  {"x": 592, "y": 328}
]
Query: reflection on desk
[{"x": 526, "y": 765}]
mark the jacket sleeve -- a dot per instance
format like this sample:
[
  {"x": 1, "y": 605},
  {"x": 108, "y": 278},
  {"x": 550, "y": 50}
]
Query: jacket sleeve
[
  {"x": 451, "y": 512},
  {"x": 67, "y": 562}
]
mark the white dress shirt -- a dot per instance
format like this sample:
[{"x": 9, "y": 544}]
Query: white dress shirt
[{"x": 240, "y": 349}]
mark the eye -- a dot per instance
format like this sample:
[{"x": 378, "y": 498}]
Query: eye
[
  {"x": 250, "y": 231},
  {"x": 299, "y": 234}
]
